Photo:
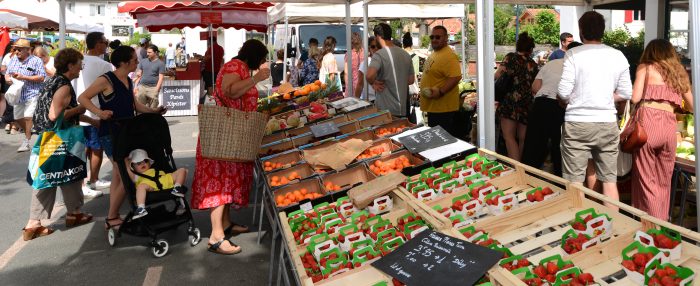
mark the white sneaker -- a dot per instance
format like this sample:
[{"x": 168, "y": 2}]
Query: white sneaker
[
  {"x": 99, "y": 184},
  {"x": 24, "y": 147},
  {"x": 90, "y": 193}
]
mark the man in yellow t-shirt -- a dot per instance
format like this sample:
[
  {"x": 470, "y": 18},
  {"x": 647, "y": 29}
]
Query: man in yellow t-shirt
[{"x": 439, "y": 91}]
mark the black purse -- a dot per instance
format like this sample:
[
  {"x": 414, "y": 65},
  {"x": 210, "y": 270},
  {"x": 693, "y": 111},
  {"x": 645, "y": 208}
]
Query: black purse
[{"x": 503, "y": 86}]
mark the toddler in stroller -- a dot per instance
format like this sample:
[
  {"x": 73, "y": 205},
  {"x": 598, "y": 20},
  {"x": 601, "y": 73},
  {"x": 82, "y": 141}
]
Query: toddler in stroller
[{"x": 146, "y": 180}]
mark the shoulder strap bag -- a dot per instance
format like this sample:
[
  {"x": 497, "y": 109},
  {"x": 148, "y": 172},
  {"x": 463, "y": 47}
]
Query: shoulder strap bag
[
  {"x": 633, "y": 135},
  {"x": 229, "y": 134}
]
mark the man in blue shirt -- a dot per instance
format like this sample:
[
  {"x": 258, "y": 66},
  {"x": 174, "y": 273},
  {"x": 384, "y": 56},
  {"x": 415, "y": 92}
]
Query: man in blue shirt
[
  {"x": 564, "y": 39},
  {"x": 28, "y": 69}
]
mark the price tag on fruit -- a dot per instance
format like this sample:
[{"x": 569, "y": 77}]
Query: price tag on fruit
[
  {"x": 432, "y": 258},
  {"x": 426, "y": 140},
  {"x": 325, "y": 129}
]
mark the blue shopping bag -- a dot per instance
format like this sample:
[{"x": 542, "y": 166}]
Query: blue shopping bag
[{"x": 58, "y": 156}]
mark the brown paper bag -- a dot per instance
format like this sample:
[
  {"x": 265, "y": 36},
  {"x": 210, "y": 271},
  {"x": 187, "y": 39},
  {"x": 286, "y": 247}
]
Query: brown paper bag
[
  {"x": 337, "y": 156},
  {"x": 363, "y": 194}
]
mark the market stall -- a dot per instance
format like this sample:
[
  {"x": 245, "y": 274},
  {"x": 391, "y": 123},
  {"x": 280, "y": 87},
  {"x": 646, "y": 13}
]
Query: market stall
[
  {"x": 391, "y": 182},
  {"x": 181, "y": 93}
]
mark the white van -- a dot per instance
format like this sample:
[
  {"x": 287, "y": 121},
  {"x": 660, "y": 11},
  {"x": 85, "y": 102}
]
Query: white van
[{"x": 298, "y": 36}]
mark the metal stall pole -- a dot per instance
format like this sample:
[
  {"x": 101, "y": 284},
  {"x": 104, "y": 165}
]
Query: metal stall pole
[
  {"x": 365, "y": 43},
  {"x": 284, "y": 43},
  {"x": 695, "y": 58},
  {"x": 484, "y": 36},
  {"x": 348, "y": 52},
  {"x": 465, "y": 62},
  {"x": 62, "y": 24}
]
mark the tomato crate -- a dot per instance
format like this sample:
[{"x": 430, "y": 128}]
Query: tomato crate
[{"x": 359, "y": 274}]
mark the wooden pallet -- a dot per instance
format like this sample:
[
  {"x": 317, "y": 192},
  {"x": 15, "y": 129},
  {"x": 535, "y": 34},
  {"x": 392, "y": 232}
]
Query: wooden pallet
[{"x": 366, "y": 274}]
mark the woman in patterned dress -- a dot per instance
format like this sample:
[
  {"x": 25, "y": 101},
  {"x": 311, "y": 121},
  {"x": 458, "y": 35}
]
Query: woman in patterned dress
[
  {"x": 666, "y": 83},
  {"x": 512, "y": 110},
  {"x": 220, "y": 185}
]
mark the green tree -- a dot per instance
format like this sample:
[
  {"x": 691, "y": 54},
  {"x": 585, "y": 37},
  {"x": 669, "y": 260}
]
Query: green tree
[
  {"x": 545, "y": 30},
  {"x": 503, "y": 15},
  {"x": 134, "y": 40},
  {"x": 616, "y": 38}
]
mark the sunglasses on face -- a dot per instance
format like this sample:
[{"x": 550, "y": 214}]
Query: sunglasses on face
[{"x": 435, "y": 37}]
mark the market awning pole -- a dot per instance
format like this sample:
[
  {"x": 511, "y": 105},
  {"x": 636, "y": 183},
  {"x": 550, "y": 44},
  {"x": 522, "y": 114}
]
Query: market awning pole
[
  {"x": 62, "y": 24},
  {"x": 365, "y": 41},
  {"x": 695, "y": 60},
  {"x": 485, "y": 60},
  {"x": 211, "y": 52},
  {"x": 348, "y": 53},
  {"x": 464, "y": 52},
  {"x": 286, "y": 39}
]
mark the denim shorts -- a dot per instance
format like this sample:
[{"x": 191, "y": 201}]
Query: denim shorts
[
  {"x": 106, "y": 143},
  {"x": 92, "y": 139}
]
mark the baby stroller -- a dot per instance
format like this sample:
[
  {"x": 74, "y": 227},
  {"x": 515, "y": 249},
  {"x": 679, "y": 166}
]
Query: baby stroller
[{"x": 151, "y": 133}]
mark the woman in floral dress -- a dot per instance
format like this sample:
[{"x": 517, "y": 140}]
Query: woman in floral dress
[
  {"x": 512, "y": 110},
  {"x": 220, "y": 185}
]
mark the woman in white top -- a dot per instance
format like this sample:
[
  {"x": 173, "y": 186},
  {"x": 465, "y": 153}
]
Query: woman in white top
[
  {"x": 328, "y": 67},
  {"x": 43, "y": 54}
]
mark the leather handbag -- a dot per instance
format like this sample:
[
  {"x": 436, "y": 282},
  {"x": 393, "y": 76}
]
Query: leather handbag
[{"x": 633, "y": 136}]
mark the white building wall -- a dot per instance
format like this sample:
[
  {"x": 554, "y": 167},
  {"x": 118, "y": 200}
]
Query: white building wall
[{"x": 112, "y": 21}]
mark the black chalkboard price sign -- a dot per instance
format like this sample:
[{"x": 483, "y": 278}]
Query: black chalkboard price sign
[
  {"x": 177, "y": 97},
  {"x": 426, "y": 140},
  {"x": 432, "y": 258},
  {"x": 325, "y": 129}
]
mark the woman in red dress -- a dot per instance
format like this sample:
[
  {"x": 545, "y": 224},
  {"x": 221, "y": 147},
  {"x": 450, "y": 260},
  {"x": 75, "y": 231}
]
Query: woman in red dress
[{"x": 220, "y": 185}]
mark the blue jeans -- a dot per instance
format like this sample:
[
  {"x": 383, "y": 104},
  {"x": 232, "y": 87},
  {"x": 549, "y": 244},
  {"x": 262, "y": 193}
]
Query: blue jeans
[{"x": 170, "y": 63}]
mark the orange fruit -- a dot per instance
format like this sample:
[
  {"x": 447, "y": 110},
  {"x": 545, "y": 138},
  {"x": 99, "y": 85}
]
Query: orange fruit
[
  {"x": 323, "y": 86},
  {"x": 287, "y": 202},
  {"x": 296, "y": 193},
  {"x": 318, "y": 82},
  {"x": 287, "y": 96},
  {"x": 275, "y": 179},
  {"x": 284, "y": 181},
  {"x": 303, "y": 191},
  {"x": 315, "y": 88},
  {"x": 309, "y": 196},
  {"x": 268, "y": 164},
  {"x": 299, "y": 197},
  {"x": 267, "y": 169}
]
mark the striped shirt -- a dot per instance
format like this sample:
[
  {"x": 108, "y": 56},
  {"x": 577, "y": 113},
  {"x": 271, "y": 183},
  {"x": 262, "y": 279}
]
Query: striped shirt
[{"x": 32, "y": 66}]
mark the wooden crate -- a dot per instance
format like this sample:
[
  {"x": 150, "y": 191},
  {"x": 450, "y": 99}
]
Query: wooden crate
[
  {"x": 603, "y": 261},
  {"x": 366, "y": 274}
]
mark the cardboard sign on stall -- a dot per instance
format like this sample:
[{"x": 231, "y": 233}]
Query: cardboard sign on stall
[{"x": 337, "y": 156}]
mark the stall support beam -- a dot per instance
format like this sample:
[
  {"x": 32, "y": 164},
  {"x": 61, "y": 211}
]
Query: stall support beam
[
  {"x": 348, "y": 54},
  {"x": 695, "y": 58},
  {"x": 485, "y": 80},
  {"x": 284, "y": 43},
  {"x": 62, "y": 24},
  {"x": 365, "y": 41},
  {"x": 465, "y": 60}
]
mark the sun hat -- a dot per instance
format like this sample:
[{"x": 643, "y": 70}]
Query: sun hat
[
  {"x": 22, "y": 43},
  {"x": 139, "y": 155}
]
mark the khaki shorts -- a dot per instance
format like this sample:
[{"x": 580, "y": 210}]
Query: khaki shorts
[
  {"x": 583, "y": 140},
  {"x": 148, "y": 96}
]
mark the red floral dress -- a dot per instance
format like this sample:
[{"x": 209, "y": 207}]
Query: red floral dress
[{"x": 221, "y": 182}]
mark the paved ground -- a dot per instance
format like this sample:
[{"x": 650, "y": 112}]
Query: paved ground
[{"x": 81, "y": 256}]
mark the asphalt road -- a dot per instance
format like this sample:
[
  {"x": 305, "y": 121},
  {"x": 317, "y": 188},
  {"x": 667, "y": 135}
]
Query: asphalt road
[{"x": 81, "y": 255}]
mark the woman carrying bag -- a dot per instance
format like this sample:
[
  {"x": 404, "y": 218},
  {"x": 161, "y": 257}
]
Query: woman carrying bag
[
  {"x": 56, "y": 114},
  {"x": 219, "y": 185},
  {"x": 660, "y": 85}
]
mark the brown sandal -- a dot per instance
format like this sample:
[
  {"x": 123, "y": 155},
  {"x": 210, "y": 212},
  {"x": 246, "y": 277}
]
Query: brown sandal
[
  {"x": 34, "y": 232},
  {"x": 73, "y": 220}
]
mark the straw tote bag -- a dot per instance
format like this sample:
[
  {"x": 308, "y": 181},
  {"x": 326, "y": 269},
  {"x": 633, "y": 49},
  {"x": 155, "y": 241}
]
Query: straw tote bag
[{"x": 229, "y": 134}]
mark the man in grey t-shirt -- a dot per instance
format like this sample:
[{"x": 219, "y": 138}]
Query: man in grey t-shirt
[
  {"x": 390, "y": 73},
  {"x": 149, "y": 78}
]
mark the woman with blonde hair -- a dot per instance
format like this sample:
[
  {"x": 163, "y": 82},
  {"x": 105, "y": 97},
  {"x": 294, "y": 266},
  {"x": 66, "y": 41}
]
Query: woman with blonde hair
[
  {"x": 659, "y": 88},
  {"x": 46, "y": 58},
  {"x": 358, "y": 55},
  {"x": 309, "y": 69}
]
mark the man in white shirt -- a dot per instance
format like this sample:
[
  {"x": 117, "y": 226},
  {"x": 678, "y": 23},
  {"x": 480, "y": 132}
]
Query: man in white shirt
[
  {"x": 170, "y": 56},
  {"x": 546, "y": 117},
  {"x": 593, "y": 78},
  {"x": 94, "y": 66}
]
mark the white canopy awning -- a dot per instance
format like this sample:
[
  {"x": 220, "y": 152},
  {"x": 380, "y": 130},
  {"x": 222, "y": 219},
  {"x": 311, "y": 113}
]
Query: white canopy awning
[
  {"x": 314, "y": 13},
  {"x": 12, "y": 21},
  {"x": 49, "y": 10}
]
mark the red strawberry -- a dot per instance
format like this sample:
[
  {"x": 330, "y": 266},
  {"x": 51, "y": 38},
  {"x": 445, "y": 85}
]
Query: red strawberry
[
  {"x": 585, "y": 278},
  {"x": 547, "y": 191},
  {"x": 551, "y": 278},
  {"x": 639, "y": 259},
  {"x": 530, "y": 197},
  {"x": 539, "y": 196},
  {"x": 588, "y": 218},
  {"x": 667, "y": 280},
  {"x": 540, "y": 271},
  {"x": 654, "y": 282},
  {"x": 552, "y": 267}
]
